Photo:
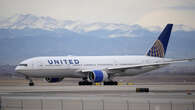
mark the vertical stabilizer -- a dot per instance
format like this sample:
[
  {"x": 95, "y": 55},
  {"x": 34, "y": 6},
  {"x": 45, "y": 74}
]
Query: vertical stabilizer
[{"x": 160, "y": 45}]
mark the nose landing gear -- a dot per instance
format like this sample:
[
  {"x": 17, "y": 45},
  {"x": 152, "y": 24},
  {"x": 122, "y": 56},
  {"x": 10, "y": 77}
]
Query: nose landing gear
[{"x": 31, "y": 83}]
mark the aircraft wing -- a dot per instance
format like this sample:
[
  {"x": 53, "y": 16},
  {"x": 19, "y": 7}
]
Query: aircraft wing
[{"x": 139, "y": 66}]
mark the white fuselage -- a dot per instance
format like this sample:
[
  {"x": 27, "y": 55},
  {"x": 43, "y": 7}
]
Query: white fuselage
[{"x": 71, "y": 66}]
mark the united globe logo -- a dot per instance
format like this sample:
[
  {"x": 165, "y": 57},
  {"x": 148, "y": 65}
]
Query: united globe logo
[{"x": 157, "y": 50}]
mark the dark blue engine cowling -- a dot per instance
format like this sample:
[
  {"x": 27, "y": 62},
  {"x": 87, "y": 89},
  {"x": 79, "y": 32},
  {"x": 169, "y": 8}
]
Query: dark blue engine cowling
[
  {"x": 98, "y": 76},
  {"x": 53, "y": 80}
]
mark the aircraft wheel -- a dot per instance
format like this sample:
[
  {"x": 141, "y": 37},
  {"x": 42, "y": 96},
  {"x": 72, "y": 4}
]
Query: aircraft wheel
[
  {"x": 31, "y": 84},
  {"x": 85, "y": 83},
  {"x": 111, "y": 83}
]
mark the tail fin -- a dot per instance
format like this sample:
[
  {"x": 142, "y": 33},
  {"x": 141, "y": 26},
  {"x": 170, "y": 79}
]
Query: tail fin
[{"x": 160, "y": 45}]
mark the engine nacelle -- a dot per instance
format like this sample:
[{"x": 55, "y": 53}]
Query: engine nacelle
[
  {"x": 53, "y": 80},
  {"x": 97, "y": 76}
]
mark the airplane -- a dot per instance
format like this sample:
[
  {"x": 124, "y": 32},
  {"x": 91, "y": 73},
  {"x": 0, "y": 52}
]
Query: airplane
[{"x": 94, "y": 69}]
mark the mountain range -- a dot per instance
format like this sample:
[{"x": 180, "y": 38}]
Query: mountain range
[
  {"x": 28, "y": 21},
  {"x": 25, "y": 35}
]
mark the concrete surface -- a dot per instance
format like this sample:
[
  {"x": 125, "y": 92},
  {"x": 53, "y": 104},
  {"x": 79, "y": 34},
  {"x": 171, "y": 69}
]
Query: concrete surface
[
  {"x": 141, "y": 80},
  {"x": 120, "y": 88},
  {"x": 161, "y": 97},
  {"x": 94, "y": 103}
]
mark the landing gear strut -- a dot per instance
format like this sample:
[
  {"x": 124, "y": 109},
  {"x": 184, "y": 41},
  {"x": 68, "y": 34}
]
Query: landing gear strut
[{"x": 110, "y": 81}]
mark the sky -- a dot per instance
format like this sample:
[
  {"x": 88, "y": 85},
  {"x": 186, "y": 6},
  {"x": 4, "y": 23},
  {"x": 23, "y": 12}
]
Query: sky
[
  {"x": 150, "y": 14},
  {"x": 147, "y": 13}
]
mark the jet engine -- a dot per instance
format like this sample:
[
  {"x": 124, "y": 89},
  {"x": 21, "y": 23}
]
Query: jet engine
[
  {"x": 97, "y": 76},
  {"x": 53, "y": 80}
]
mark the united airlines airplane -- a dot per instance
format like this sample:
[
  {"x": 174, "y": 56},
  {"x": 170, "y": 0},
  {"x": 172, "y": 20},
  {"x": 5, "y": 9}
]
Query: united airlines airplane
[{"x": 98, "y": 68}]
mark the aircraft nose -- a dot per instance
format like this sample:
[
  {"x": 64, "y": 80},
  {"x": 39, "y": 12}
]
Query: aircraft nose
[{"x": 18, "y": 69}]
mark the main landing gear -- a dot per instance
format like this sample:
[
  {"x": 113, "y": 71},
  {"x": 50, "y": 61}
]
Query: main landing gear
[
  {"x": 110, "y": 83},
  {"x": 86, "y": 82}
]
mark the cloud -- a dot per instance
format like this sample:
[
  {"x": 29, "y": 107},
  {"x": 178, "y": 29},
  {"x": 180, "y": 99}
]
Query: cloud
[
  {"x": 143, "y": 12},
  {"x": 122, "y": 35},
  {"x": 163, "y": 17}
]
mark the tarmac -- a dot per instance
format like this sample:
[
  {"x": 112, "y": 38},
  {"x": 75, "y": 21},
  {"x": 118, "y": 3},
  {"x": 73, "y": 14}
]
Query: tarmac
[{"x": 98, "y": 97}]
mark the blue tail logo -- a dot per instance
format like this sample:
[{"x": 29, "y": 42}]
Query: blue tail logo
[{"x": 160, "y": 45}]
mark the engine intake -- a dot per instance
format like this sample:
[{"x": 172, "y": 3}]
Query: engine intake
[
  {"x": 97, "y": 76},
  {"x": 53, "y": 80}
]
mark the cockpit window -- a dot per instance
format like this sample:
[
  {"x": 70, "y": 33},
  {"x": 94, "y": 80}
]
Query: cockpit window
[{"x": 23, "y": 65}]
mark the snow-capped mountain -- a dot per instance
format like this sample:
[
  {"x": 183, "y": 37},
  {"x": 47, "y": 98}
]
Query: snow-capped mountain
[
  {"x": 111, "y": 30},
  {"x": 22, "y": 21},
  {"x": 20, "y": 33}
]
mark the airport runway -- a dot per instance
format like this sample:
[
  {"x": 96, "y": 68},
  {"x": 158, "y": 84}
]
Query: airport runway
[
  {"x": 123, "y": 97},
  {"x": 66, "y": 95},
  {"x": 98, "y": 88}
]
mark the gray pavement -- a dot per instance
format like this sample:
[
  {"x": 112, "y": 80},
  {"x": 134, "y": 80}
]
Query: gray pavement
[
  {"x": 123, "y": 97},
  {"x": 99, "y": 88}
]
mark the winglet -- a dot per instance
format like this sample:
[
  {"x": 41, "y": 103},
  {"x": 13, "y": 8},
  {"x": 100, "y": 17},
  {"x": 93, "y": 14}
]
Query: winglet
[{"x": 160, "y": 45}]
